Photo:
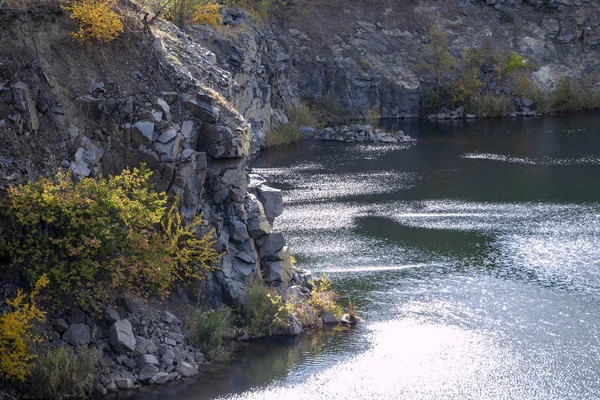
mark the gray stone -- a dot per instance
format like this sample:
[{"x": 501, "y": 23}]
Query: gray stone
[
  {"x": 25, "y": 104},
  {"x": 168, "y": 135},
  {"x": 159, "y": 379},
  {"x": 329, "y": 318},
  {"x": 147, "y": 359},
  {"x": 164, "y": 107},
  {"x": 121, "y": 336},
  {"x": 272, "y": 201},
  {"x": 147, "y": 372},
  {"x": 60, "y": 325},
  {"x": 124, "y": 383},
  {"x": 178, "y": 337},
  {"x": 168, "y": 357},
  {"x": 145, "y": 346},
  {"x": 203, "y": 110},
  {"x": 294, "y": 294},
  {"x": 90, "y": 107},
  {"x": 142, "y": 132},
  {"x": 171, "y": 319},
  {"x": 170, "y": 97},
  {"x": 186, "y": 370},
  {"x": 77, "y": 335},
  {"x": 258, "y": 225},
  {"x": 269, "y": 245},
  {"x": 131, "y": 305},
  {"x": 110, "y": 315}
]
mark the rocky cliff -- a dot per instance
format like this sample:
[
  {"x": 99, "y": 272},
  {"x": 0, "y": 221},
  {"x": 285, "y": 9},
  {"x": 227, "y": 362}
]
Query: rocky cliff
[{"x": 150, "y": 97}]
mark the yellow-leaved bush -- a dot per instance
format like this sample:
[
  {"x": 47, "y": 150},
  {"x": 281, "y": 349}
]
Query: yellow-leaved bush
[
  {"x": 208, "y": 14},
  {"x": 96, "y": 20},
  {"x": 99, "y": 238},
  {"x": 16, "y": 334}
]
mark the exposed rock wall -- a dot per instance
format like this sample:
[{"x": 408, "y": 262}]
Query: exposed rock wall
[
  {"x": 155, "y": 98},
  {"x": 368, "y": 55}
]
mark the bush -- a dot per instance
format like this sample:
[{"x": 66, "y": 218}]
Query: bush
[
  {"x": 96, "y": 239},
  {"x": 264, "y": 310},
  {"x": 327, "y": 110},
  {"x": 96, "y": 20},
  {"x": 290, "y": 132},
  {"x": 16, "y": 334},
  {"x": 207, "y": 331},
  {"x": 64, "y": 374},
  {"x": 208, "y": 14},
  {"x": 322, "y": 298},
  {"x": 514, "y": 61},
  {"x": 490, "y": 106}
]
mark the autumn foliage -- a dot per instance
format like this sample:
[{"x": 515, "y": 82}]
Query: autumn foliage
[
  {"x": 98, "y": 238},
  {"x": 208, "y": 14},
  {"x": 16, "y": 334},
  {"x": 96, "y": 20}
]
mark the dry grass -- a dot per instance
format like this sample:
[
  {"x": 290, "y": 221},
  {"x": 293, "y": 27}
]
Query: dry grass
[{"x": 64, "y": 374}]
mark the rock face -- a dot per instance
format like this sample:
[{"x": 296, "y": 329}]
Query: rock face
[{"x": 77, "y": 335}]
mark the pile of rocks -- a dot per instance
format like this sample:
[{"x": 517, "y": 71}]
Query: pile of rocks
[
  {"x": 356, "y": 133},
  {"x": 139, "y": 345}
]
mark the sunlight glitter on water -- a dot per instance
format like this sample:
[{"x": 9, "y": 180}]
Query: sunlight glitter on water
[{"x": 410, "y": 360}]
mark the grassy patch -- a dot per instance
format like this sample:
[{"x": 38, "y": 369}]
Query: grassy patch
[
  {"x": 290, "y": 133},
  {"x": 208, "y": 330},
  {"x": 322, "y": 298},
  {"x": 62, "y": 373},
  {"x": 265, "y": 310}
]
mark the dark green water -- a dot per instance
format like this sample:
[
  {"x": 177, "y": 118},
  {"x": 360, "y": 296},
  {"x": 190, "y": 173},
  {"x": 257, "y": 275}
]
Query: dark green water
[{"x": 474, "y": 257}]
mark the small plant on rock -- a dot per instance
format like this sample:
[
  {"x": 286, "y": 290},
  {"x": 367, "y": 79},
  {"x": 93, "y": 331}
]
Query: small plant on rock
[{"x": 322, "y": 298}]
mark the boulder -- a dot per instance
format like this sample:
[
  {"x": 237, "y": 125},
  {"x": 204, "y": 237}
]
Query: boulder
[
  {"x": 77, "y": 335},
  {"x": 258, "y": 225},
  {"x": 60, "y": 325},
  {"x": 147, "y": 359},
  {"x": 202, "y": 108},
  {"x": 164, "y": 108},
  {"x": 186, "y": 370},
  {"x": 329, "y": 318},
  {"x": 91, "y": 107},
  {"x": 110, "y": 315},
  {"x": 121, "y": 336},
  {"x": 159, "y": 379},
  {"x": 142, "y": 132},
  {"x": 269, "y": 245},
  {"x": 171, "y": 319},
  {"x": 272, "y": 201},
  {"x": 145, "y": 346},
  {"x": 147, "y": 372},
  {"x": 124, "y": 383}
]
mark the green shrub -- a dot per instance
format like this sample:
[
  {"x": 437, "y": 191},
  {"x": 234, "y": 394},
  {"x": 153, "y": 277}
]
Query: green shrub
[
  {"x": 327, "y": 110},
  {"x": 322, "y": 298},
  {"x": 96, "y": 239},
  {"x": 290, "y": 132},
  {"x": 490, "y": 106},
  {"x": 514, "y": 61},
  {"x": 207, "y": 331},
  {"x": 65, "y": 374},
  {"x": 264, "y": 310}
]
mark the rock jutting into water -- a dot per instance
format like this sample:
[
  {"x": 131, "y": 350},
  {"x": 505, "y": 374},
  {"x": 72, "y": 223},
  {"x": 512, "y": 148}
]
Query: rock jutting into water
[{"x": 356, "y": 133}]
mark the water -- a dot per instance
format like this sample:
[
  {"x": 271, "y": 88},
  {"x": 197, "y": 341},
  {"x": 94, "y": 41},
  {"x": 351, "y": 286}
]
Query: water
[{"x": 473, "y": 257}]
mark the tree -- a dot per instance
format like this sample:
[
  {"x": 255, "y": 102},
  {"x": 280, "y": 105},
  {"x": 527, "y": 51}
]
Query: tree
[{"x": 438, "y": 59}]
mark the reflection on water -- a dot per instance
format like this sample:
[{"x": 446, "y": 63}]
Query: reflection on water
[{"x": 474, "y": 257}]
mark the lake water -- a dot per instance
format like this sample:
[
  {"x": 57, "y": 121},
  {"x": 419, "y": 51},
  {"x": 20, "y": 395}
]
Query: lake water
[{"x": 473, "y": 256}]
